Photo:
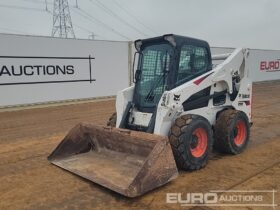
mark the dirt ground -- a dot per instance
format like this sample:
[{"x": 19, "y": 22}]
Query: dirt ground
[{"x": 29, "y": 181}]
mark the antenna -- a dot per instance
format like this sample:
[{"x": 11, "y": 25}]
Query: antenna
[{"x": 62, "y": 23}]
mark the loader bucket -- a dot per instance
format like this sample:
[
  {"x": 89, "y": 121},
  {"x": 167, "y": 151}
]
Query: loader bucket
[{"x": 128, "y": 162}]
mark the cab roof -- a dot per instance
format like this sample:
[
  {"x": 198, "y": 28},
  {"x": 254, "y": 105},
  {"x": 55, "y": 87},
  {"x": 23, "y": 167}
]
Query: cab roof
[{"x": 175, "y": 40}]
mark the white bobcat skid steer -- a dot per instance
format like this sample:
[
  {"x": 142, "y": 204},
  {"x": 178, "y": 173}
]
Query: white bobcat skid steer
[{"x": 179, "y": 106}]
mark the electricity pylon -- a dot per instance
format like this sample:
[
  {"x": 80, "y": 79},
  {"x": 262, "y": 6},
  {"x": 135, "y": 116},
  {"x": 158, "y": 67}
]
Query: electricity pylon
[{"x": 62, "y": 23}]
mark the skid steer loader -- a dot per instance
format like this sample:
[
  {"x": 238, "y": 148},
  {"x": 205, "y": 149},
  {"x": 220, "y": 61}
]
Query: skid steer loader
[{"x": 181, "y": 104}]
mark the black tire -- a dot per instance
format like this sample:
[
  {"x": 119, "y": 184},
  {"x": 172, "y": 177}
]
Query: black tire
[
  {"x": 232, "y": 132},
  {"x": 112, "y": 120},
  {"x": 183, "y": 140}
]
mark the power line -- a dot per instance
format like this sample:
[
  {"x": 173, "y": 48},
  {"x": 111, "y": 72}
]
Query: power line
[
  {"x": 134, "y": 17},
  {"x": 87, "y": 16},
  {"x": 45, "y": 2},
  {"x": 94, "y": 20},
  {"x": 113, "y": 14},
  {"x": 21, "y": 8},
  {"x": 38, "y": 2},
  {"x": 12, "y": 30},
  {"x": 82, "y": 28},
  {"x": 79, "y": 11},
  {"x": 86, "y": 30}
]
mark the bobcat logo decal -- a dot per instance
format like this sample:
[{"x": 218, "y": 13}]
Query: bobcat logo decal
[{"x": 176, "y": 97}]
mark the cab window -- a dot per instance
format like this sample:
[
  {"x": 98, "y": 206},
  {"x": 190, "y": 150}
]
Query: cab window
[{"x": 192, "y": 63}]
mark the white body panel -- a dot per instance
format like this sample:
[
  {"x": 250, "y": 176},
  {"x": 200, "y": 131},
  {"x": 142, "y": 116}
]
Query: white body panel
[
  {"x": 219, "y": 79},
  {"x": 123, "y": 97}
]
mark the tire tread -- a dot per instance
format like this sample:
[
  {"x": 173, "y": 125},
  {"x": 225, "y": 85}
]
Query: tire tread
[
  {"x": 222, "y": 131},
  {"x": 177, "y": 142}
]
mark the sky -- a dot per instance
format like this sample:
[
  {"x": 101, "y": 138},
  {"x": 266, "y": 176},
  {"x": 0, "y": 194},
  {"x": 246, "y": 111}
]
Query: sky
[{"x": 224, "y": 23}]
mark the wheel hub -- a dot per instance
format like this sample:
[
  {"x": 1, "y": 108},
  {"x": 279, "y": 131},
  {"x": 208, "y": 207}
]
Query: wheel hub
[
  {"x": 194, "y": 141},
  {"x": 235, "y": 132},
  {"x": 198, "y": 144},
  {"x": 239, "y": 133}
]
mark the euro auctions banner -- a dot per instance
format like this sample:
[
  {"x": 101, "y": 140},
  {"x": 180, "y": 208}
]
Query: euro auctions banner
[
  {"x": 264, "y": 65},
  {"x": 26, "y": 70},
  {"x": 270, "y": 65},
  {"x": 43, "y": 69}
]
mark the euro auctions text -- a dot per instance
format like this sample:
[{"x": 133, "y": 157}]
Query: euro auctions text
[{"x": 262, "y": 198}]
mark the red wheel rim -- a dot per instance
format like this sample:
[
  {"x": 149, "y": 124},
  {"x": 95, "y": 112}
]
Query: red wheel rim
[
  {"x": 200, "y": 146},
  {"x": 241, "y": 133}
]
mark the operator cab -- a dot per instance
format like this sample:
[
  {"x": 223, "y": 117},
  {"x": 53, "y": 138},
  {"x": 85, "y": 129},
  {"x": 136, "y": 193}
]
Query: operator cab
[{"x": 164, "y": 63}]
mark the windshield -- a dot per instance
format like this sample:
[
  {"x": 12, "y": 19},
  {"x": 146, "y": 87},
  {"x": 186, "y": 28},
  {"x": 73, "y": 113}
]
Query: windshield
[{"x": 153, "y": 68}]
